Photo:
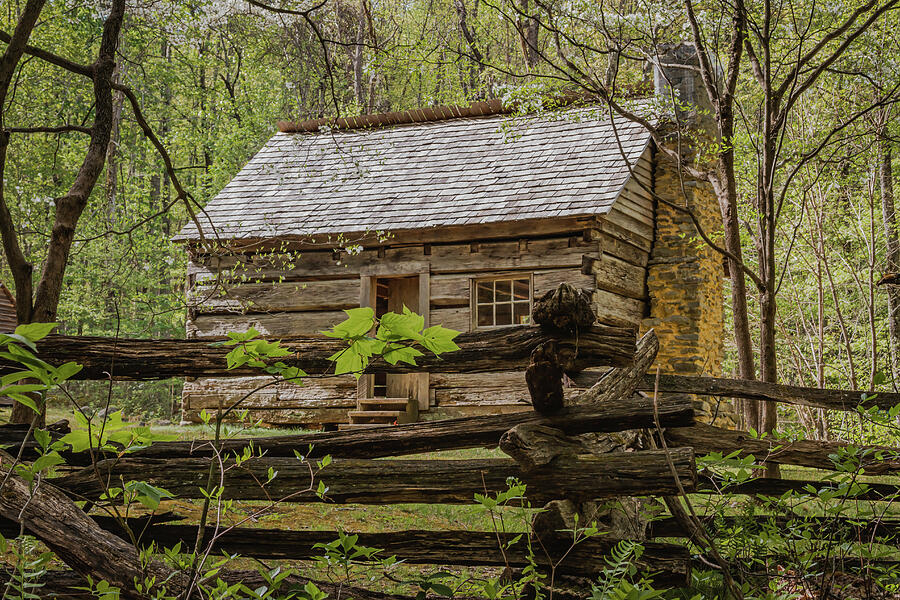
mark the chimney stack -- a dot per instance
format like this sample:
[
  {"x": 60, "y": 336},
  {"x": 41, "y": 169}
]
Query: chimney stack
[
  {"x": 679, "y": 86},
  {"x": 685, "y": 277}
]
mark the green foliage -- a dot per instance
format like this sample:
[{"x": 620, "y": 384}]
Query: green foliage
[
  {"x": 39, "y": 376},
  {"x": 394, "y": 340},
  {"x": 616, "y": 582},
  {"x": 111, "y": 434}
]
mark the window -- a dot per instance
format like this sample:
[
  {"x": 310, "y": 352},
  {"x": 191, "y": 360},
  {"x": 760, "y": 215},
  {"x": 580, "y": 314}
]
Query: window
[{"x": 502, "y": 302}]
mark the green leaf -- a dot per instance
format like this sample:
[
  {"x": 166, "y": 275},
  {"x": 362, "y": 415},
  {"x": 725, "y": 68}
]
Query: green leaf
[
  {"x": 22, "y": 399},
  {"x": 23, "y": 388},
  {"x": 42, "y": 437},
  {"x": 439, "y": 339},
  {"x": 146, "y": 494},
  {"x": 78, "y": 440},
  {"x": 35, "y": 331},
  {"x": 441, "y": 589},
  {"x": 66, "y": 371},
  {"x": 358, "y": 323},
  {"x": 237, "y": 338},
  {"x": 402, "y": 354},
  {"x": 7, "y": 338},
  {"x": 405, "y": 326},
  {"x": 46, "y": 461}
]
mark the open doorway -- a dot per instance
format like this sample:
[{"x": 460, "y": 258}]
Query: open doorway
[
  {"x": 387, "y": 398},
  {"x": 391, "y": 295}
]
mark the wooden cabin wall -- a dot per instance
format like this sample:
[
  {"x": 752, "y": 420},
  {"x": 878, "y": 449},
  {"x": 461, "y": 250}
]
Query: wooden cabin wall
[
  {"x": 283, "y": 295},
  {"x": 8, "y": 319}
]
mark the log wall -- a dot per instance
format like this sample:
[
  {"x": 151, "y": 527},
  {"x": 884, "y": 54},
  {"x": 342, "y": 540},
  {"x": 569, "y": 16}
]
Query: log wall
[{"x": 282, "y": 294}]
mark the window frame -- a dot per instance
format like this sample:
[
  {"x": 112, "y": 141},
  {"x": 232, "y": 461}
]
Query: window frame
[{"x": 474, "y": 304}]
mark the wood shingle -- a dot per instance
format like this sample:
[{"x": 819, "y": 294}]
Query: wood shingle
[{"x": 464, "y": 171}]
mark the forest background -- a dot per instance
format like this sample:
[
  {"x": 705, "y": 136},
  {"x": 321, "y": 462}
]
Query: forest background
[{"x": 213, "y": 78}]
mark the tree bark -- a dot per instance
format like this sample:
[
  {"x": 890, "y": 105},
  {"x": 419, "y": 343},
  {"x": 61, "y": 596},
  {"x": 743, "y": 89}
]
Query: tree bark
[
  {"x": 529, "y": 29},
  {"x": 892, "y": 256}
]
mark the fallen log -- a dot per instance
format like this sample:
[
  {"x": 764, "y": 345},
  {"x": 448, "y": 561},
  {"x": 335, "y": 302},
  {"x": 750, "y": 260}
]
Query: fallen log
[
  {"x": 826, "y": 528},
  {"x": 482, "y": 351},
  {"x": 74, "y": 537},
  {"x": 432, "y": 436},
  {"x": 705, "y": 439},
  {"x": 773, "y": 486},
  {"x": 398, "y": 481},
  {"x": 669, "y": 562},
  {"x": 758, "y": 390}
]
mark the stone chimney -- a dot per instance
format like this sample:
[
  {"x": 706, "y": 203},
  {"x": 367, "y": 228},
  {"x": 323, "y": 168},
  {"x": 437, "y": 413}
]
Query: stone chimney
[
  {"x": 679, "y": 87},
  {"x": 685, "y": 276}
]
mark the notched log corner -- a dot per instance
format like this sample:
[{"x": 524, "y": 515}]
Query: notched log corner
[{"x": 564, "y": 309}]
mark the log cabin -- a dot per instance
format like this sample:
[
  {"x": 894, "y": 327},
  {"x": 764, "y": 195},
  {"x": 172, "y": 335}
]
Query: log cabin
[
  {"x": 465, "y": 215},
  {"x": 8, "y": 320}
]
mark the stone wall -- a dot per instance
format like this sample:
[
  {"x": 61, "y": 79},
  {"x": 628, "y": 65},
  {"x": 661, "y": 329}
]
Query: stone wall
[{"x": 685, "y": 286}]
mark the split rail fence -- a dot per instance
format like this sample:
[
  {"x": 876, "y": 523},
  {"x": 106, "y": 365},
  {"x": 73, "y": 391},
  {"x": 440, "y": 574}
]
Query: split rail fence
[{"x": 547, "y": 449}]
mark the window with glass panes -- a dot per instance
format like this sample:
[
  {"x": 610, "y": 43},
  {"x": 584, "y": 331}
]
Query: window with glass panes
[{"x": 500, "y": 302}]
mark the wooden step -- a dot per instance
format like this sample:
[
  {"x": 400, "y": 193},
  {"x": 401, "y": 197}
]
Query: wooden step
[
  {"x": 377, "y": 416},
  {"x": 383, "y": 403}
]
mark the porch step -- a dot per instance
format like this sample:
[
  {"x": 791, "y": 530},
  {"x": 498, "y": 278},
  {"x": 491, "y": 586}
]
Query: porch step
[
  {"x": 371, "y": 404},
  {"x": 346, "y": 426},
  {"x": 387, "y": 417}
]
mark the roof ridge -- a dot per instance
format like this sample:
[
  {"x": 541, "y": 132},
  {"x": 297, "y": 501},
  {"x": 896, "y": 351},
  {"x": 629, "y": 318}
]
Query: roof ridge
[{"x": 429, "y": 114}]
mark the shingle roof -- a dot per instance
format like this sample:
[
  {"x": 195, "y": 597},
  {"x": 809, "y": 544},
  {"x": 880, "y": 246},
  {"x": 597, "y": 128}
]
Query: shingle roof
[{"x": 452, "y": 172}]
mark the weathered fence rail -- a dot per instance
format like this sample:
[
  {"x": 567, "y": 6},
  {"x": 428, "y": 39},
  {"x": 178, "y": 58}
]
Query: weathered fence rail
[
  {"x": 400, "y": 481},
  {"x": 483, "y": 351},
  {"x": 432, "y": 436},
  {"x": 757, "y": 390},
  {"x": 706, "y": 439}
]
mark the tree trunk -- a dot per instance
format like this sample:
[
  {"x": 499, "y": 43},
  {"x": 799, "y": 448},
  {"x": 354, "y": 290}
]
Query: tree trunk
[
  {"x": 892, "y": 256},
  {"x": 358, "y": 58},
  {"x": 528, "y": 34},
  {"x": 70, "y": 206},
  {"x": 727, "y": 195}
]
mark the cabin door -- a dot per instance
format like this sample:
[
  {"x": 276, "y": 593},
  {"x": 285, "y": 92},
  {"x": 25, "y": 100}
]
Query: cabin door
[{"x": 391, "y": 294}]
